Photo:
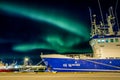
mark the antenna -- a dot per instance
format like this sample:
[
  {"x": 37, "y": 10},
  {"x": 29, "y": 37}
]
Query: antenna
[
  {"x": 112, "y": 15},
  {"x": 111, "y": 11},
  {"x": 91, "y": 18},
  {"x": 101, "y": 12},
  {"x": 116, "y": 14}
]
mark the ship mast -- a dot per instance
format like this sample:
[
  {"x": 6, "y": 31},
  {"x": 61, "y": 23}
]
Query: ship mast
[
  {"x": 93, "y": 23},
  {"x": 117, "y": 18},
  {"x": 111, "y": 21},
  {"x": 104, "y": 29}
]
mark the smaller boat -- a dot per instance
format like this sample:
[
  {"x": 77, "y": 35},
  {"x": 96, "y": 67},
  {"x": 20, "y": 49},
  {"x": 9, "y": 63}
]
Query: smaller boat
[{"x": 6, "y": 68}]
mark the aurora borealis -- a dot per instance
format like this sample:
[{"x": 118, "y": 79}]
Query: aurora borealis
[
  {"x": 44, "y": 26},
  {"x": 55, "y": 41},
  {"x": 55, "y": 18}
]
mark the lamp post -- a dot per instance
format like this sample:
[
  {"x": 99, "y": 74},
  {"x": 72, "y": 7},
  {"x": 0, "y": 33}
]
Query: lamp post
[{"x": 26, "y": 60}]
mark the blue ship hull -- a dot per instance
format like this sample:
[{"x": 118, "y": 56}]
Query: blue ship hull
[{"x": 81, "y": 65}]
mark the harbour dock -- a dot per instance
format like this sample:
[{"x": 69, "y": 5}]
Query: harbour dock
[{"x": 60, "y": 76}]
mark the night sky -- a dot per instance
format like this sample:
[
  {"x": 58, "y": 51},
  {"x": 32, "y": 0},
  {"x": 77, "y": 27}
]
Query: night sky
[{"x": 29, "y": 27}]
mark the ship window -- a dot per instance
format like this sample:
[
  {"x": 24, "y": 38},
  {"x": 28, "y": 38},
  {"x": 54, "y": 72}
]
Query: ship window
[
  {"x": 107, "y": 57},
  {"x": 118, "y": 45},
  {"x": 101, "y": 45},
  {"x": 117, "y": 57},
  {"x": 111, "y": 40},
  {"x": 99, "y": 41},
  {"x": 107, "y": 41},
  {"x": 116, "y": 40},
  {"x": 103, "y": 40},
  {"x": 111, "y": 57}
]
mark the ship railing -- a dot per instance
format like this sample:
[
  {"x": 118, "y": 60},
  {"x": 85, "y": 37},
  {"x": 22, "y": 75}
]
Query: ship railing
[{"x": 79, "y": 56}]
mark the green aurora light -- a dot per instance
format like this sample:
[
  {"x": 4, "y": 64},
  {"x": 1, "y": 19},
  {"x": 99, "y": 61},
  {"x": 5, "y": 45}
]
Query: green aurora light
[
  {"x": 48, "y": 16},
  {"x": 52, "y": 17}
]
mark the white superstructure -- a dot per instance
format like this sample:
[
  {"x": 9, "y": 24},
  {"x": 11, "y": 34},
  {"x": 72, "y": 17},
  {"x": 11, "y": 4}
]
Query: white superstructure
[{"x": 105, "y": 41}]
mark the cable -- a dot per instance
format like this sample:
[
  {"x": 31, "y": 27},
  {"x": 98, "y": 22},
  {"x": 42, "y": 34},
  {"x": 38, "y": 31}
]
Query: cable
[
  {"x": 101, "y": 12},
  {"x": 116, "y": 14}
]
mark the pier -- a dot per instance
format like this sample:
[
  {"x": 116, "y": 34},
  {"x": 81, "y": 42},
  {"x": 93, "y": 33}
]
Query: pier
[{"x": 61, "y": 76}]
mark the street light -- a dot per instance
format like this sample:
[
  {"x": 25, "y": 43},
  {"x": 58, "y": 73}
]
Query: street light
[{"x": 26, "y": 60}]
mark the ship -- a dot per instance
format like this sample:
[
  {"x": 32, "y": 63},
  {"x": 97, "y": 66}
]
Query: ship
[
  {"x": 14, "y": 67},
  {"x": 7, "y": 68},
  {"x": 105, "y": 43}
]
